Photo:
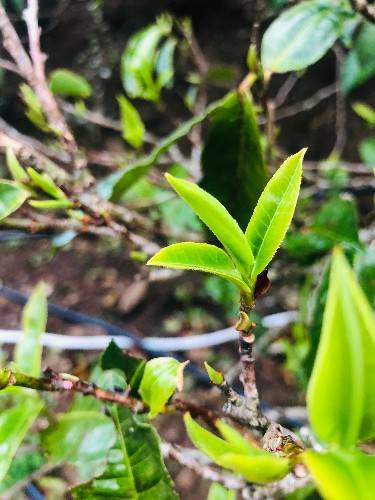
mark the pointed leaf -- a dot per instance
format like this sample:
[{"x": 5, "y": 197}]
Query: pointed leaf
[
  {"x": 133, "y": 129},
  {"x": 342, "y": 475},
  {"x": 67, "y": 83},
  {"x": 135, "y": 469},
  {"x": 215, "y": 376},
  {"x": 217, "y": 218},
  {"x": 274, "y": 212},
  {"x": 12, "y": 197},
  {"x": 15, "y": 168},
  {"x": 340, "y": 395},
  {"x": 28, "y": 354},
  {"x": 199, "y": 257},
  {"x": 46, "y": 184},
  {"x": 232, "y": 159},
  {"x": 162, "y": 376},
  {"x": 241, "y": 444}
]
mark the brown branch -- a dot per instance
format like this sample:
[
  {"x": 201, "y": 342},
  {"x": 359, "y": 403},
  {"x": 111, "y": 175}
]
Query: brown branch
[{"x": 365, "y": 8}]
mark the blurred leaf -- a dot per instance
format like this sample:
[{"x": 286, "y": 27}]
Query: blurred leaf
[
  {"x": 132, "y": 126},
  {"x": 15, "y": 168},
  {"x": 218, "y": 220},
  {"x": 67, "y": 83},
  {"x": 79, "y": 437},
  {"x": 237, "y": 453},
  {"x": 342, "y": 475},
  {"x": 140, "y": 59},
  {"x": 342, "y": 383},
  {"x": 359, "y": 64},
  {"x": 365, "y": 111},
  {"x": 22, "y": 466},
  {"x": 218, "y": 492},
  {"x": 164, "y": 63},
  {"x": 34, "y": 111},
  {"x": 51, "y": 204},
  {"x": 28, "y": 353},
  {"x": 162, "y": 376},
  {"x": 215, "y": 376},
  {"x": 178, "y": 216},
  {"x": 64, "y": 238},
  {"x": 232, "y": 159},
  {"x": 46, "y": 184},
  {"x": 274, "y": 212},
  {"x": 337, "y": 219},
  {"x": 199, "y": 257},
  {"x": 301, "y": 35},
  {"x": 113, "y": 186},
  {"x": 12, "y": 196},
  {"x": 14, "y": 424},
  {"x": 367, "y": 151},
  {"x": 364, "y": 266},
  {"x": 135, "y": 469}
]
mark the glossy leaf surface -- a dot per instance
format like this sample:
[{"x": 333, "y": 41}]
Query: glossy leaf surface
[
  {"x": 67, "y": 83},
  {"x": 160, "y": 379},
  {"x": 28, "y": 353},
  {"x": 301, "y": 35},
  {"x": 274, "y": 212},
  {"x": 135, "y": 469},
  {"x": 132, "y": 126},
  {"x": 218, "y": 220},
  {"x": 342, "y": 475},
  {"x": 199, "y": 257},
  {"x": 232, "y": 159},
  {"x": 340, "y": 394},
  {"x": 12, "y": 197}
]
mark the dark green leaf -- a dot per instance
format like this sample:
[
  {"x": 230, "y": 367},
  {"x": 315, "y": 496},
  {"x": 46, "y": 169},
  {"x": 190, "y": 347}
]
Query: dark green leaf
[
  {"x": 359, "y": 64},
  {"x": 67, "y": 83},
  {"x": 135, "y": 469},
  {"x": 12, "y": 196},
  {"x": 28, "y": 353},
  {"x": 199, "y": 257},
  {"x": 232, "y": 159},
  {"x": 302, "y": 35},
  {"x": 342, "y": 383}
]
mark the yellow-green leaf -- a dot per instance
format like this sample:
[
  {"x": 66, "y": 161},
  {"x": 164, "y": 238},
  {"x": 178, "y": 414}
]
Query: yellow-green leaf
[
  {"x": 342, "y": 475},
  {"x": 217, "y": 218},
  {"x": 218, "y": 492},
  {"x": 12, "y": 196},
  {"x": 274, "y": 212},
  {"x": 51, "y": 204},
  {"x": 15, "y": 168},
  {"x": 132, "y": 126},
  {"x": 67, "y": 83},
  {"x": 46, "y": 184},
  {"x": 28, "y": 354},
  {"x": 258, "y": 469},
  {"x": 162, "y": 376},
  {"x": 215, "y": 376},
  {"x": 199, "y": 257},
  {"x": 340, "y": 395}
]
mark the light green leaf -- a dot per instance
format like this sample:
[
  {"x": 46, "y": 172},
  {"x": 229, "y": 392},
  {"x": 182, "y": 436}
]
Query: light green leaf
[
  {"x": 139, "y": 60},
  {"x": 12, "y": 196},
  {"x": 14, "y": 424},
  {"x": 113, "y": 186},
  {"x": 67, "y": 83},
  {"x": 359, "y": 64},
  {"x": 46, "y": 184},
  {"x": 199, "y": 257},
  {"x": 215, "y": 376},
  {"x": 162, "y": 376},
  {"x": 340, "y": 395},
  {"x": 132, "y": 126},
  {"x": 367, "y": 151},
  {"x": 51, "y": 204},
  {"x": 218, "y": 492},
  {"x": 135, "y": 469},
  {"x": 342, "y": 475},
  {"x": 15, "y": 168},
  {"x": 237, "y": 453},
  {"x": 34, "y": 111},
  {"x": 232, "y": 159},
  {"x": 28, "y": 354},
  {"x": 274, "y": 212},
  {"x": 79, "y": 437},
  {"x": 365, "y": 111},
  {"x": 164, "y": 64},
  {"x": 302, "y": 35},
  {"x": 217, "y": 218}
]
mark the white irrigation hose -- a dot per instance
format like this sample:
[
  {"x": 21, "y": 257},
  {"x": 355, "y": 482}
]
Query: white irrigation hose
[{"x": 100, "y": 342}]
